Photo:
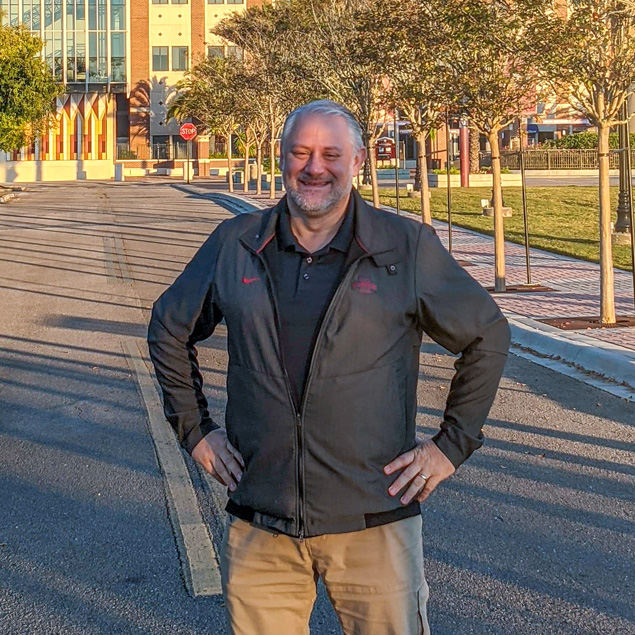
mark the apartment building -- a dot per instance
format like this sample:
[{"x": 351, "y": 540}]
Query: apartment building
[{"x": 120, "y": 61}]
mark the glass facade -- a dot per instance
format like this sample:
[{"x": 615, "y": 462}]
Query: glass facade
[{"x": 84, "y": 40}]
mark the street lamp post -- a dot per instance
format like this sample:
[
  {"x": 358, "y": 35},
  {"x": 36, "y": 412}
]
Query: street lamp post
[{"x": 623, "y": 221}]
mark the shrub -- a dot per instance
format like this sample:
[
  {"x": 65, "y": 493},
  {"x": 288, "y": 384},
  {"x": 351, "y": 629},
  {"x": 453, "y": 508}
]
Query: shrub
[
  {"x": 585, "y": 141},
  {"x": 453, "y": 170}
]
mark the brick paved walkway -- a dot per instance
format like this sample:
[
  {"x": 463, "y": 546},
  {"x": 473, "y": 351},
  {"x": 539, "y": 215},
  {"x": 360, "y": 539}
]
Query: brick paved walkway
[{"x": 576, "y": 283}]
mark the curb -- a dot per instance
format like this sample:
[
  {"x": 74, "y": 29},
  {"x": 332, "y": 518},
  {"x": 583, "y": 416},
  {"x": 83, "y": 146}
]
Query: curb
[{"x": 611, "y": 363}]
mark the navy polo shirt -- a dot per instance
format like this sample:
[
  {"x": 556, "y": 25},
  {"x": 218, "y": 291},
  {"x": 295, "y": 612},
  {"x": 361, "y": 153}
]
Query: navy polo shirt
[{"x": 304, "y": 284}]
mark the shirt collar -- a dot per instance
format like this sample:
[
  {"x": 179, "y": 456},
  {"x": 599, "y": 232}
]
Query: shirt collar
[{"x": 341, "y": 241}]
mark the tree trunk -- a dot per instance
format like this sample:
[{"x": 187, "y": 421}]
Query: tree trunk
[
  {"x": 497, "y": 204},
  {"x": 475, "y": 148},
  {"x": 230, "y": 175},
  {"x": 259, "y": 168},
  {"x": 366, "y": 174},
  {"x": 246, "y": 164},
  {"x": 607, "y": 291},
  {"x": 426, "y": 215},
  {"x": 417, "y": 183},
  {"x": 272, "y": 156}
]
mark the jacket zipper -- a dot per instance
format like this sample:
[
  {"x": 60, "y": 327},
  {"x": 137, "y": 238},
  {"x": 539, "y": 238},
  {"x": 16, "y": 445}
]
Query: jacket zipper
[
  {"x": 318, "y": 340},
  {"x": 298, "y": 416}
]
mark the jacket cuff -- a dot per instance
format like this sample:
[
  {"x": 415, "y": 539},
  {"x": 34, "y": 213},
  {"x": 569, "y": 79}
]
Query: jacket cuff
[
  {"x": 197, "y": 433},
  {"x": 452, "y": 451}
]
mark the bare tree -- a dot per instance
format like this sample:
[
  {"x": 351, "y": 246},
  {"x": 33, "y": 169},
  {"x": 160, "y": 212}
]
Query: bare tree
[{"x": 587, "y": 57}]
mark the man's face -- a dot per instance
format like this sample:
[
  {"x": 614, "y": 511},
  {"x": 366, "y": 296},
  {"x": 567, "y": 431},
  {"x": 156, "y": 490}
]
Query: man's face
[{"x": 319, "y": 162}]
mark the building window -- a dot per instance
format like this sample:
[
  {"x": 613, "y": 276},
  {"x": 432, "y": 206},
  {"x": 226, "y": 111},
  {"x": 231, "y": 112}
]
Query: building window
[
  {"x": 179, "y": 58},
  {"x": 159, "y": 1},
  {"x": 117, "y": 15},
  {"x": 215, "y": 51},
  {"x": 235, "y": 51},
  {"x": 235, "y": 1},
  {"x": 160, "y": 58},
  {"x": 214, "y": 1},
  {"x": 118, "y": 56},
  {"x": 179, "y": 1}
]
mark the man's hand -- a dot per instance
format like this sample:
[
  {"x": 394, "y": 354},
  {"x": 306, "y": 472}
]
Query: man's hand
[
  {"x": 425, "y": 459},
  {"x": 216, "y": 455}
]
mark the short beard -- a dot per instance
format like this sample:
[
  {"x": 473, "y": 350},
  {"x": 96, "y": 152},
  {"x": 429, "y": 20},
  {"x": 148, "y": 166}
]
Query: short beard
[{"x": 316, "y": 208}]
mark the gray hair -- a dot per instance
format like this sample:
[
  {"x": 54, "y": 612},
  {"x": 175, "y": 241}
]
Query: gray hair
[{"x": 325, "y": 107}]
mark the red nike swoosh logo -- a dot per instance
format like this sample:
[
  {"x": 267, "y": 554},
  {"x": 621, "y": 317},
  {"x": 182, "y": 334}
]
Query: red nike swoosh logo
[{"x": 249, "y": 280}]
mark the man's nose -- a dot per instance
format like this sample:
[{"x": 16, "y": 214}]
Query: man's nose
[{"x": 315, "y": 164}]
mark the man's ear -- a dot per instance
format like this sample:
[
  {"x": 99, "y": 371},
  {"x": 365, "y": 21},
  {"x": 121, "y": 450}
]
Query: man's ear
[{"x": 360, "y": 158}]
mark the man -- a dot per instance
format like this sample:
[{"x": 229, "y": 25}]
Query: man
[{"x": 325, "y": 300}]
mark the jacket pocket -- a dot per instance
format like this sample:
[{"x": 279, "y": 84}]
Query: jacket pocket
[
  {"x": 358, "y": 419},
  {"x": 261, "y": 425}
]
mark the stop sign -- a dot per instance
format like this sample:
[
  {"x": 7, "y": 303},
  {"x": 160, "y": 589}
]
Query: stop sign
[{"x": 188, "y": 131}]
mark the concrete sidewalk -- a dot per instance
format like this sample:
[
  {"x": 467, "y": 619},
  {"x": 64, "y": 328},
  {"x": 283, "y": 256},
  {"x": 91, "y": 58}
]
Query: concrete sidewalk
[{"x": 604, "y": 358}]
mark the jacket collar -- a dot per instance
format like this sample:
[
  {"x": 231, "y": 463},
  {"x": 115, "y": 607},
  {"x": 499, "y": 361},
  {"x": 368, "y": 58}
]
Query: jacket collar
[{"x": 372, "y": 233}]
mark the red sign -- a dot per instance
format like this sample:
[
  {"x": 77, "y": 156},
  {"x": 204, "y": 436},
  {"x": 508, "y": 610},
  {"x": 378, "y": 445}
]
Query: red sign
[
  {"x": 385, "y": 148},
  {"x": 188, "y": 131}
]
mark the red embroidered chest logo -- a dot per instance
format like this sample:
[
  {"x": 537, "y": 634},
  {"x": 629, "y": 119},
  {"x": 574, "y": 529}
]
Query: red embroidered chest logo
[
  {"x": 364, "y": 285},
  {"x": 249, "y": 280}
]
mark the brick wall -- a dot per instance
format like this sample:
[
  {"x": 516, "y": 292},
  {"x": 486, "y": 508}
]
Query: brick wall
[
  {"x": 198, "y": 30},
  {"x": 139, "y": 72}
]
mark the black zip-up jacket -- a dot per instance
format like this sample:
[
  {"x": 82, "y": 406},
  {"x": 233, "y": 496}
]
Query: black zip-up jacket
[{"x": 320, "y": 470}]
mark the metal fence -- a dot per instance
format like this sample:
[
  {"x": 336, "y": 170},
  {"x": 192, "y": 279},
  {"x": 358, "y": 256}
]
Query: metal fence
[
  {"x": 552, "y": 159},
  {"x": 154, "y": 151}
]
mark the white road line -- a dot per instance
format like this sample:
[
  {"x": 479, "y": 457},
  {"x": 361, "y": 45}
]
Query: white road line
[{"x": 196, "y": 549}]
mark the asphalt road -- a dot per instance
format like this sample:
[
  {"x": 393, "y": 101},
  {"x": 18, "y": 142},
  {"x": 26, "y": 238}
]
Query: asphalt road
[{"x": 534, "y": 535}]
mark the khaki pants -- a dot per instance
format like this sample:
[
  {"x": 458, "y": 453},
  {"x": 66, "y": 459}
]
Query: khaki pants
[{"x": 373, "y": 577}]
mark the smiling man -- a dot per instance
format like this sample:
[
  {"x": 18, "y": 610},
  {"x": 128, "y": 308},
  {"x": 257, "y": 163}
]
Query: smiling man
[{"x": 325, "y": 300}]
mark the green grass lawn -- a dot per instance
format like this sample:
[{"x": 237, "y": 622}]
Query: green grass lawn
[{"x": 561, "y": 219}]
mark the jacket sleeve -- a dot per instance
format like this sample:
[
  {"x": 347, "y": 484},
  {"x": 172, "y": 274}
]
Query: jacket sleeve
[
  {"x": 459, "y": 314},
  {"x": 185, "y": 314}
]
